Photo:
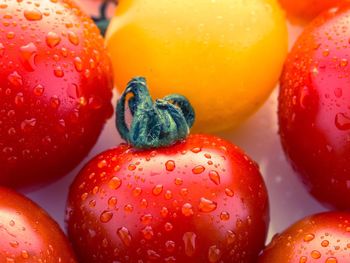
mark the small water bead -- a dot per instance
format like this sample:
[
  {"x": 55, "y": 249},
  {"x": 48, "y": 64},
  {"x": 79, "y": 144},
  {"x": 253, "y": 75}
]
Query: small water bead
[
  {"x": 198, "y": 169},
  {"x": 131, "y": 167},
  {"x": 170, "y": 165},
  {"x": 28, "y": 124},
  {"x": 168, "y": 227},
  {"x": 32, "y": 14},
  {"x": 214, "y": 254},
  {"x": 224, "y": 216},
  {"x": 187, "y": 209},
  {"x": 303, "y": 259},
  {"x": 14, "y": 244},
  {"x": 152, "y": 255},
  {"x": 137, "y": 191},
  {"x": 106, "y": 216},
  {"x": 230, "y": 238},
  {"x": 124, "y": 235},
  {"x": 55, "y": 102},
  {"x": 178, "y": 181},
  {"x": 206, "y": 205},
  {"x": 168, "y": 195},
  {"x": 11, "y": 35},
  {"x": 146, "y": 219},
  {"x": 157, "y": 190},
  {"x": 84, "y": 196},
  {"x": 229, "y": 192},
  {"x": 214, "y": 177},
  {"x": 52, "y": 39},
  {"x": 58, "y": 71},
  {"x": 325, "y": 243},
  {"x": 164, "y": 211},
  {"x": 148, "y": 232},
  {"x": 92, "y": 203},
  {"x": 315, "y": 254},
  {"x": 2, "y": 50},
  {"x": 24, "y": 254},
  {"x": 343, "y": 62},
  {"x": 115, "y": 183},
  {"x": 128, "y": 208},
  {"x": 101, "y": 164},
  {"x": 143, "y": 203},
  {"x": 15, "y": 79},
  {"x": 309, "y": 237},
  {"x": 331, "y": 260},
  {"x": 19, "y": 98},
  {"x": 38, "y": 90},
  {"x": 189, "y": 239},
  {"x": 342, "y": 121},
  {"x": 170, "y": 246},
  {"x": 28, "y": 53},
  {"x": 73, "y": 38},
  {"x": 112, "y": 202},
  {"x": 196, "y": 150}
]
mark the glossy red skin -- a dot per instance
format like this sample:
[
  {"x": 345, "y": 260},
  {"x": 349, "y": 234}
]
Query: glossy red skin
[
  {"x": 314, "y": 108},
  {"x": 322, "y": 237},
  {"x": 237, "y": 236},
  {"x": 29, "y": 234},
  {"x": 45, "y": 132},
  {"x": 306, "y": 10}
]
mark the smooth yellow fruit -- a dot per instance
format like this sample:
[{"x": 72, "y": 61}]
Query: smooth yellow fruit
[{"x": 224, "y": 55}]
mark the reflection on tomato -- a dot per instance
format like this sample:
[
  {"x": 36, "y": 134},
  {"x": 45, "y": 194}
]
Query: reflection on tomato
[
  {"x": 317, "y": 238},
  {"x": 225, "y": 56},
  {"x": 314, "y": 109},
  {"x": 28, "y": 234}
]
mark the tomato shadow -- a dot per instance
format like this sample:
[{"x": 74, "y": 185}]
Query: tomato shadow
[{"x": 289, "y": 199}]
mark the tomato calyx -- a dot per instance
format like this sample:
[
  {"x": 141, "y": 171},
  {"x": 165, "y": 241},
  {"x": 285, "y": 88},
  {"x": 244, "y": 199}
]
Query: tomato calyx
[{"x": 157, "y": 123}]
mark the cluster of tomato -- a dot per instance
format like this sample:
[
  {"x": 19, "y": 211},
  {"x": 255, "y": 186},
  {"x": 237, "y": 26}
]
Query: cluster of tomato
[{"x": 165, "y": 195}]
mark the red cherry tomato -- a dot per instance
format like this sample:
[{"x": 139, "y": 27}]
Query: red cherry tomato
[
  {"x": 314, "y": 108},
  {"x": 306, "y": 10},
  {"x": 317, "y": 238},
  {"x": 200, "y": 200},
  {"x": 55, "y": 89},
  {"x": 28, "y": 234}
]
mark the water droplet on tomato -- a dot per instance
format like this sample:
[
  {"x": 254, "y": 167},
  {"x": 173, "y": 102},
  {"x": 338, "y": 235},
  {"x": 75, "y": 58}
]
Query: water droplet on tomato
[
  {"x": 170, "y": 165},
  {"x": 58, "y": 71},
  {"x": 143, "y": 203},
  {"x": 170, "y": 246},
  {"x": 14, "y": 244},
  {"x": 124, "y": 235},
  {"x": 164, "y": 211},
  {"x": 19, "y": 99},
  {"x": 11, "y": 35},
  {"x": 28, "y": 124},
  {"x": 229, "y": 192},
  {"x": 114, "y": 183},
  {"x": 187, "y": 209},
  {"x": 325, "y": 243},
  {"x": 331, "y": 260},
  {"x": 157, "y": 189},
  {"x": 24, "y": 254},
  {"x": 106, "y": 216},
  {"x": 73, "y": 38},
  {"x": 38, "y": 90},
  {"x": 230, "y": 238},
  {"x": 147, "y": 232},
  {"x": 224, "y": 216},
  {"x": 2, "y": 50},
  {"x": 343, "y": 62},
  {"x": 55, "y": 102},
  {"x": 206, "y": 205},
  {"x": 101, "y": 164},
  {"x": 153, "y": 255},
  {"x": 128, "y": 208},
  {"x": 112, "y": 202},
  {"x": 33, "y": 14},
  {"x": 309, "y": 237},
  {"x": 315, "y": 254},
  {"x": 303, "y": 259},
  {"x": 168, "y": 227},
  {"x": 52, "y": 39},
  {"x": 178, "y": 181},
  {"x": 137, "y": 191},
  {"x": 342, "y": 121},
  {"x": 78, "y": 64},
  {"x": 28, "y": 54},
  {"x": 146, "y": 219},
  {"x": 214, "y": 254},
  {"x": 15, "y": 79},
  {"x": 214, "y": 177},
  {"x": 196, "y": 150},
  {"x": 189, "y": 239},
  {"x": 198, "y": 169}
]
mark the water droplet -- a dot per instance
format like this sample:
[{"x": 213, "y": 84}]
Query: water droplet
[
  {"x": 187, "y": 209},
  {"x": 343, "y": 62},
  {"x": 214, "y": 177},
  {"x": 224, "y": 216},
  {"x": 143, "y": 203},
  {"x": 304, "y": 95},
  {"x": 303, "y": 259},
  {"x": 331, "y": 260},
  {"x": 58, "y": 71},
  {"x": 2, "y": 50},
  {"x": 55, "y": 102},
  {"x": 168, "y": 226},
  {"x": 206, "y": 205},
  {"x": 157, "y": 189},
  {"x": 106, "y": 216},
  {"x": 128, "y": 208},
  {"x": 15, "y": 79},
  {"x": 52, "y": 39},
  {"x": 19, "y": 99},
  {"x": 84, "y": 196},
  {"x": 342, "y": 121},
  {"x": 170, "y": 246},
  {"x": 184, "y": 191},
  {"x": 38, "y": 90},
  {"x": 28, "y": 54},
  {"x": 33, "y": 14},
  {"x": 230, "y": 238},
  {"x": 315, "y": 254},
  {"x": 309, "y": 237},
  {"x": 146, "y": 219},
  {"x": 152, "y": 255},
  {"x": 325, "y": 243},
  {"x": 189, "y": 239},
  {"x": 137, "y": 191},
  {"x": 112, "y": 202},
  {"x": 14, "y": 244},
  {"x": 78, "y": 64},
  {"x": 124, "y": 236},
  {"x": 170, "y": 165},
  {"x": 147, "y": 232},
  {"x": 338, "y": 92},
  {"x": 131, "y": 167},
  {"x": 213, "y": 254},
  {"x": 73, "y": 38},
  {"x": 28, "y": 124},
  {"x": 25, "y": 254},
  {"x": 198, "y": 169},
  {"x": 114, "y": 183},
  {"x": 178, "y": 181},
  {"x": 229, "y": 192},
  {"x": 10, "y": 35},
  {"x": 92, "y": 203},
  {"x": 101, "y": 164},
  {"x": 196, "y": 150},
  {"x": 164, "y": 211},
  {"x": 325, "y": 53}
]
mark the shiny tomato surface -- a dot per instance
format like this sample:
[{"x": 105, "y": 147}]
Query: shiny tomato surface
[
  {"x": 28, "y": 234},
  {"x": 318, "y": 238},
  {"x": 314, "y": 107},
  {"x": 55, "y": 89},
  {"x": 200, "y": 200}
]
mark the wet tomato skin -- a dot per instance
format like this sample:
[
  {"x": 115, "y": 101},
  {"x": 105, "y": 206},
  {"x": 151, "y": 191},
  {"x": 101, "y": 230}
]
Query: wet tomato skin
[
  {"x": 200, "y": 200},
  {"x": 55, "y": 89},
  {"x": 314, "y": 113},
  {"x": 318, "y": 238},
  {"x": 29, "y": 234}
]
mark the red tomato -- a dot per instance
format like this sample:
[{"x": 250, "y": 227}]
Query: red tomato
[
  {"x": 200, "y": 200},
  {"x": 55, "y": 89},
  {"x": 314, "y": 108},
  {"x": 28, "y": 234},
  {"x": 318, "y": 238},
  {"x": 306, "y": 10}
]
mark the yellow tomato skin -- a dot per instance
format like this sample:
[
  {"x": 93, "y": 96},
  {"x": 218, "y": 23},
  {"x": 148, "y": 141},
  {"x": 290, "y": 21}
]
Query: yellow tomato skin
[{"x": 224, "y": 55}]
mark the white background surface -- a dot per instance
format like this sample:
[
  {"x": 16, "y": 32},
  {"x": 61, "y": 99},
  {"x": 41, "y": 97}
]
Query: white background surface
[{"x": 289, "y": 201}]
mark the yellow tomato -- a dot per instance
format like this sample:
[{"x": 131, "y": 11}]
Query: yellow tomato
[{"x": 224, "y": 55}]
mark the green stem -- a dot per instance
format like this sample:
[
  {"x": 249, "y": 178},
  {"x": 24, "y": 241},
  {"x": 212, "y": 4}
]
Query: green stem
[{"x": 154, "y": 124}]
